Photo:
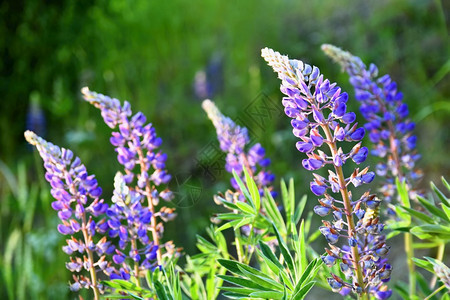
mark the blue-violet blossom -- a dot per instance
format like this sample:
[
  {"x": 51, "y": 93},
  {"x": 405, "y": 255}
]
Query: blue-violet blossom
[
  {"x": 319, "y": 116},
  {"x": 136, "y": 145},
  {"x": 81, "y": 211},
  {"x": 233, "y": 140},
  {"x": 390, "y": 129}
]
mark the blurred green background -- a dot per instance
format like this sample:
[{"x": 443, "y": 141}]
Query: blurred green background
[{"x": 156, "y": 54}]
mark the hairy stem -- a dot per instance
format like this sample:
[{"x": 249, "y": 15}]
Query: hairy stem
[
  {"x": 87, "y": 239},
  {"x": 148, "y": 193},
  {"x": 348, "y": 212}
]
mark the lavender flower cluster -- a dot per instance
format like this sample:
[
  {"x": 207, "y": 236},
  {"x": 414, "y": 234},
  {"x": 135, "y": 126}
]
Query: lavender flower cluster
[
  {"x": 136, "y": 146},
  {"x": 390, "y": 129},
  {"x": 319, "y": 116},
  {"x": 130, "y": 218},
  {"x": 82, "y": 213},
  {"x": 233, "y": 140}
]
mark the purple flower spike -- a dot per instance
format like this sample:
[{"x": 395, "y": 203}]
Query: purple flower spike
[
  {"x": 136, "y": 146},
  {"x": 131, "y": 222},
  {"x": 234, "y": 140},
  {"x": 325, "y": 121},
  {"x": 390, "y": 129},
  {"x": 77, "y": 197}
]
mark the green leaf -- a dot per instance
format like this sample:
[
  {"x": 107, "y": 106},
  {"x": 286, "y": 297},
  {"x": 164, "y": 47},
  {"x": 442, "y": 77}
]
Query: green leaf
[
  {"x": 404, "y": 199},
  {"x": 267, "y": 295},
  {"x": 160, "y": 291},
  {"x": 309, "y": 274},
  {"x": 285, "y": 251},
  {"x": 423, "y": 283},
  {"x": 262, "y": 280},
  {"x": 422, "y": 263},
  {"x": 268, "y": 262},
  {"x": 244, "y": 207},
  {"x": 229, "y": 204},
  {"x": 254, "y": 192},
  {"x": 273, "y": 212},
  {"x": 288, "y": 205},
  {"x": 242, "y": 282},
  {"x": 427, "y": 231},
  {"x": 446, "y": 184},
  {"x": 267, "y": 252},
  {"x": 402, "y": 290},
  {"x": 433, "y": 209},
  {"x": 418, "y": 215},
  {"x": 235, "y": 224},
  {"x": 285, "y": 279},
  {"x": 303, "y": 259},
  {"x": 440, "y": 194},
  {"x": 236, "y": 291},
  {"x": 299, "y": 210},
  {"x": 303, "y": 291},
  {"x": 446, "y": 210},
  {"x": 229, "y": 216},
  {"x": 242, "y": 186}
]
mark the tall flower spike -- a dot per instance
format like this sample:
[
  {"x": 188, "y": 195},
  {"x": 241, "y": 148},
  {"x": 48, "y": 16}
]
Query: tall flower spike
[
  {"x": 390, "y": 129},
  {"x": 233, "y": 140},
  {"x": 319, "y": 116},
  {"x": 136, "y": 144},
  {"x": 80, "y": 210},
  {"x": 131, "y": 222}
]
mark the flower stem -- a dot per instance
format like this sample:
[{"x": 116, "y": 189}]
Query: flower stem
[
  {"x": 409, "y": 260},
  {"x": 435, "y": 292},
  {"x": 439, "y": 256},
  {"x": 238, "y": 245},
  {"x": 87, "y": 239},
  {"x": 148, "y": 193},
  {"x": 348, "y": 212}
]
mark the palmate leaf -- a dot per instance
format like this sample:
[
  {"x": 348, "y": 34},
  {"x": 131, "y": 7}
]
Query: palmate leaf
[
  {"x": 263, "y": 281},
  {"x": 431, "y": 231},
  {"x": 267, "y": 295},
  {"x": 243, "y": 188},
  {"x": 254, "y": 192},
  {"x": 243, "y": 282},
  {"x": 440, "y": 194},
  {"x": 285, "y": 252},
  {"x": 433, "y": 209},
  {"x": 273, "y": 212},
  {"x": 303, "y": 291},
  {"x": 418, "y": 214}
]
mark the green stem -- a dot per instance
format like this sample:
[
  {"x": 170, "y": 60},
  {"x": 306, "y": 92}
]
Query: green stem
[
  {"x": 348, "y": 213},
  {"x": 435, "y": 292},
  {"x": 439, "y": 256},
  {"x": 238, "y": 245},
  {"x": 411, "y": 267}
]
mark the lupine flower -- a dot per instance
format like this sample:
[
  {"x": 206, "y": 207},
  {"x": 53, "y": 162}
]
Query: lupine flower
[
  {"x": 81, "y": 212},
  {"x": 131, "y": 222},
  {"x": 35, "y": 120},
  {"x": 234, "y": 140},
  {"x": 390, "y": 129},
  {"x": 209, "y": 82},
  {"x": 136, "y": 145},
  {"x": 319, "y": 116}
]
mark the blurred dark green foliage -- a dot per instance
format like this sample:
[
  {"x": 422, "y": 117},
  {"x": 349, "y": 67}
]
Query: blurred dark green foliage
[{"x": 149, "y": 52}]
